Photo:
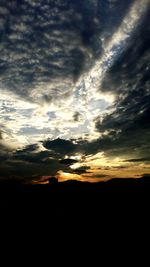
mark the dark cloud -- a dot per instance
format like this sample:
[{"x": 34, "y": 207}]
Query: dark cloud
[
  {"x": 138, "y": 160},
  {"x": 131, "y": 70},
  {"x": 1, "y": 136},
  {"x": 28, "y": 149},
  {"x": 81, "y": 170},
  {"x": 68, "y": 161},
  {"x": 44, "y": 41},
  {"x": 76, "y": 116},
  {"x": 28, "y": 164},
  {"x": 60, "y": 146},
  {"x": 128, "y": 126}
]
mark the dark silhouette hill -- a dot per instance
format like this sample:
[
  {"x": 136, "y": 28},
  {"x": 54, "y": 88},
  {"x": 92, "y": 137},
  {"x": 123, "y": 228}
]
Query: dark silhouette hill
[
  {"x": 119, "y": 207},
  {"x": 74, "y": 198}
]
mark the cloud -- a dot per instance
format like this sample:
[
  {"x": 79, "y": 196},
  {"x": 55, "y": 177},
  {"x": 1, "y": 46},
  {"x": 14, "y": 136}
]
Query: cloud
[
  {"x": 60, "y": 146},
  {"x": 1, "y": 137},
  {"x": 45, "y": 47},
  {"x": 81, "y": 170},
  {"x": 68, "y": 161},
  {"x": 77, "y": 116},
  {"x": 32, "y": 163},
  {"x": 44, "y": 44},
  {"x": 127, "y": 128},
  {"x": 138, "y": 160},
  {"x": 74, "y": 82}
]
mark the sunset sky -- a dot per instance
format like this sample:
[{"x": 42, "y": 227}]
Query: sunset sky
[{"x": 74, "y": 89}]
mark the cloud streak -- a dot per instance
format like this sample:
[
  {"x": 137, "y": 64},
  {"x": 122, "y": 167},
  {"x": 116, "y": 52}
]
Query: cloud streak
[{"x": 114, "y": 47}]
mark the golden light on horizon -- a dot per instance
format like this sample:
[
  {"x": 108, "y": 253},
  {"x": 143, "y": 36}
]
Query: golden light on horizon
[{"x": 65, "y": 176}]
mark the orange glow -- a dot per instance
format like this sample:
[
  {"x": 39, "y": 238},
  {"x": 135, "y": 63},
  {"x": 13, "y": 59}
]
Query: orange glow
[
  {"x": 101, "y": 169},
  {"x": 41, "y": 180},
  {"x": 63, "y": 176}
]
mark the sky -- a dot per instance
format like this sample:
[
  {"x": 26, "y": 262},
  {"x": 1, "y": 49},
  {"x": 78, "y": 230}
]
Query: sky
[{"x": 74, "y": 89}]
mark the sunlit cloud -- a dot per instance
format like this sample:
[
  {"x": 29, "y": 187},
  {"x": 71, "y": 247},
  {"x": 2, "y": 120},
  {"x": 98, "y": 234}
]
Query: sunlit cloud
[
  {"x": 63, "y": 176},
  {"x": 112, "y": 50}
]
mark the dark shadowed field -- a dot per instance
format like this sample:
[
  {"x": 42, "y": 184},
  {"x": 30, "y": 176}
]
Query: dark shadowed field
[{"x": 118, "y": 198}]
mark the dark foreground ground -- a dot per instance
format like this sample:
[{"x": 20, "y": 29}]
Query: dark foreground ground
[
  {"x": 118, "y": 197},
  {"x": 114, "y": 213}
]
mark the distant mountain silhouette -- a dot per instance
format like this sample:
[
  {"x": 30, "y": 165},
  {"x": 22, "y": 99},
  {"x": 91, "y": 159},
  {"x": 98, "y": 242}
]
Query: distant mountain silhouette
[
  {"x": 53, "y": 181},
  {"x": 14, "y": 195}
]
